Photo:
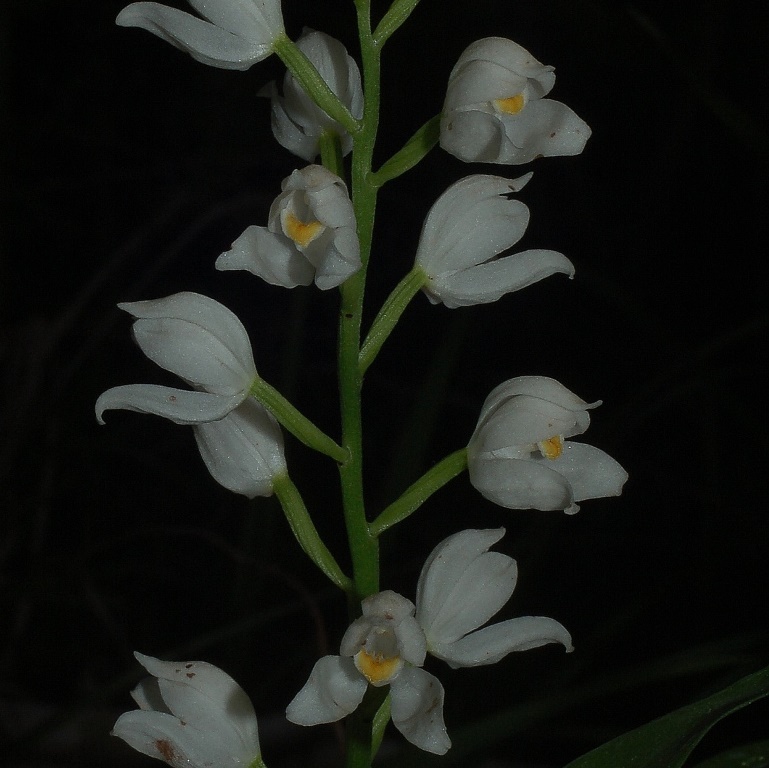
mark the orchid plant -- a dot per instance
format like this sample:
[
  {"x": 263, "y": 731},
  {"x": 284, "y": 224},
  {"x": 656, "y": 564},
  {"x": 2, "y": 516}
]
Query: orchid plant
[{"x": 320, "y": 230}]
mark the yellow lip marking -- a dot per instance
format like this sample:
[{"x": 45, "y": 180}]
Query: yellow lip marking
[
  {"x": 300, "y": 232},
  {"x": 377, "y": 668},
  {"x": 551, "y": 448},
  {"x": 512, "y": 105}
]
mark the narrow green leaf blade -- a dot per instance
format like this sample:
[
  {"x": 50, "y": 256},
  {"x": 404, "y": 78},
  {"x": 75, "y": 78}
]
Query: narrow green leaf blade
[
  {"x": 669, "y": 740},
  {"x": 755, "y": 755}
]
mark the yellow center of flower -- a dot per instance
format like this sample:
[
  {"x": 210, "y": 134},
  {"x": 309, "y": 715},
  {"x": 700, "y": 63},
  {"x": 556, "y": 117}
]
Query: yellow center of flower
[
  {"x": 376, "y": 668},
  {"x": 302, "y": 233},
  {"x": 512, "y": 105},
  {"x": 551, "y": 448}
]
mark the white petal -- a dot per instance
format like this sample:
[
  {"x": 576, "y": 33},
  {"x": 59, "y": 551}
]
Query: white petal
[
  {"x": 246, "y": 18},
  {"x": 147, "y": 695},
  {"x": 219, "y": 701},
  {"x": 510, "y": 55},
  {"x": 471, "y": 222},
  {"x": 417, "y": 709},
  {"x": 334, "y": 690},
  {"x": 544, "y": 128},
  {"x": 205, "y": 42},
  {"x": 489, "y": 645},
  {"x": 488, "y": 282},
  {"x": 521, "y": 484},
  {"x": 591, "y": 473},
  {"x": 196, "y": 338},
  {"x": 244, "y": 450},
  {"x": 521, "y": 422},
  {"x": 444, "y": 568},
  {"x": 478, "y": 594},
  {"x": 179, "y": 405},
  {"x": 268, "y": 255},
  {"x": 542, "y": 387},
  {"x": 474, "y": 136},
  {"x": 179, "y": 744}
]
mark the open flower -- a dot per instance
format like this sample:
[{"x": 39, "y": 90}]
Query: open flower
[
  {"x": 519, "y": 456},
  {"x": 205, "y": 344},
  {"x": 191, "y": 715},
  {"x": 311, "y": 235},
  {"x": 237, "y": 33},
  {"x": 467, "y": 228},
  {"x": 495, "y": 111},
  {"x": 297, "y": 121},
  {"x": 461, "y": 587}
]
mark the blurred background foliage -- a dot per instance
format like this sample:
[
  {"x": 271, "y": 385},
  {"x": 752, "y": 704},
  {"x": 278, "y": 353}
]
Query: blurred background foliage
[{"x": 128, "y": 168}]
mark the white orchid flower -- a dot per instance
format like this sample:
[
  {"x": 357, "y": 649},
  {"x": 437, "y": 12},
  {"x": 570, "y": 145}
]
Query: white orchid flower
[
  {"x": 462, "y": 585},
  {"x": 460, "y": 588},
  {"x": 519, "y": 456},
  {"x": 311, "y": 235},
  {"x": 236, "y": 35},
  {"x": 495, "y": 111},
  {"x": 191, "y": 715},
  {"x": 297, "y": 121},
  {"x": 467, "y": 228},
  {"x": 205, "y": 344}
]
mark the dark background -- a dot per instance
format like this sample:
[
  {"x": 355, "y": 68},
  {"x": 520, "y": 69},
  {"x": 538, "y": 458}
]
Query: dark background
[{"x": 128, "y": 167}]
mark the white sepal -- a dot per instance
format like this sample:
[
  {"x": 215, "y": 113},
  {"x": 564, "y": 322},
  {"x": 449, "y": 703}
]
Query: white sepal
[
  {"x": 236, "y": 35},
  {"x": 244, "y": 450},
  {"x": 416, "y": 706},
  {"x": 334, "y": 690}
]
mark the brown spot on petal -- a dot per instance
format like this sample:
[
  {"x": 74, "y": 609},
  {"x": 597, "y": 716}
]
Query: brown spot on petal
[{"x": 165, "y": 750}]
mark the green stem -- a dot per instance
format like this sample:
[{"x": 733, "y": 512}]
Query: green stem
[
  {"x": 411, "y": 153},
  {"x": 317, "y": 88},
  {"x": 364, "y": 548},
  {"x": 413, "y": 498},
  {"x": 398, "y": 12},
  {"x": 296, "y": 422},
  {"x": 306, "y": 534},
  {"x": 389, "y": 315},
  {"x": 331, "y": 152},
  {"x": 367, "y": 719}
]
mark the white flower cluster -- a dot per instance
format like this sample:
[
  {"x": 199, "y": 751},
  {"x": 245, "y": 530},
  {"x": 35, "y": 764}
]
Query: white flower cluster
[{"x": 520, "y": 455}]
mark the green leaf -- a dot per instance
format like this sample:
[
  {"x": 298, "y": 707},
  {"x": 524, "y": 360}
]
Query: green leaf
[
  {"x": 669, "y": 740},
  {"x": 755, "y": 755}
]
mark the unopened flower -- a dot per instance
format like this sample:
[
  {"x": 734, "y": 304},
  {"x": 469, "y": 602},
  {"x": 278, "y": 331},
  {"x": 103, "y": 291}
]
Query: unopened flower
[
  {"x": 467, "y": 228},
  {"x": 191, "y": 715},
  {"x": 461, "y": 587},
  {"x": 495, "y": 111},
  {"x": 206, "y": 345},
  {"x": 237, "y": 33},
  {"x": 311, "y": 235},
  {"x": 297, "y": 121},
  {"x": 519, "y": 455}
]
